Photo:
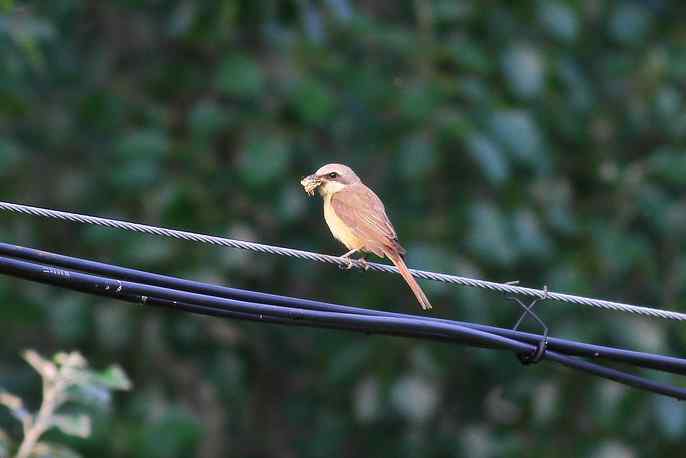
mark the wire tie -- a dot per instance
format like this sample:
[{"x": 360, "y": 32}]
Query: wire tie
[{"x": 537, "y": 354}]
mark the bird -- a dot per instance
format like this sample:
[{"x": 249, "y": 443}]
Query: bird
[{"x": 357, "y": 218}]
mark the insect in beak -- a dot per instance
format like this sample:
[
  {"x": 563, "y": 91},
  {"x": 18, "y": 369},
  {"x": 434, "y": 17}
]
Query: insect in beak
[{"x": 310, "y": 183}]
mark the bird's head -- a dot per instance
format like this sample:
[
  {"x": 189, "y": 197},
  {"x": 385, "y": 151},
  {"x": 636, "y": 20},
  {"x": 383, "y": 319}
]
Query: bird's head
[{"x": 329, "y": 179}]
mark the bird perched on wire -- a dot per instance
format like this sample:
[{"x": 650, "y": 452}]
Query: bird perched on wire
[{"x": 357, "y": 218}]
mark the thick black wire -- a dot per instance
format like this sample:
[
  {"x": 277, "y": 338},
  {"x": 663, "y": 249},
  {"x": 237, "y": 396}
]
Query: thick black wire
[
  {"x": 640, "y": 359},
  {"x": 218, "y": 306},
  {"x": 506, "y": 288}
]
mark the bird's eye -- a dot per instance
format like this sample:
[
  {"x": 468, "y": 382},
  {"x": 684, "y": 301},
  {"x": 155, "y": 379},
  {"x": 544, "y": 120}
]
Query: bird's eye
[{"x": 333, "y": 175}]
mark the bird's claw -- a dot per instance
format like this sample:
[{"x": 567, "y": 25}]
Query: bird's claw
[
  {"x": 347, "y": 266},
  {"x": 350, "y": 263},
  {"x": 363, "y": 264}
]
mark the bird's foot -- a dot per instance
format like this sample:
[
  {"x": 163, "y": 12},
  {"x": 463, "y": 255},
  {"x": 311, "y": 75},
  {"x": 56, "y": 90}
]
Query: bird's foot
[
  {"x": 348, "y": 264},
  {"x": 363, "y": 264}
]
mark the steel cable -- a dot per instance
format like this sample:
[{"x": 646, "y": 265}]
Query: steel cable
[{"x": 300, "y": 254}]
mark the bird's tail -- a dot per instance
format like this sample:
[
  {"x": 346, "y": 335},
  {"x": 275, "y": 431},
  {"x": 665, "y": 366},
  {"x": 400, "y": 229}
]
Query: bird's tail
[{"x": 397, "y": 259}]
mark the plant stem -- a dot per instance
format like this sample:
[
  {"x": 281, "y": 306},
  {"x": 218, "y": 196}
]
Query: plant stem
[{"x": 52, "y": 399}]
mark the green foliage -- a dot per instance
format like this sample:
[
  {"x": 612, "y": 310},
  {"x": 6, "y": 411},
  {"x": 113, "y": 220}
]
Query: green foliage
[
  {"x": 536, "y": 141},
  {"x": 66, "y": 380}
]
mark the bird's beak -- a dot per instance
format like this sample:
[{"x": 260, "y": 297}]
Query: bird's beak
[{"x": 310, "y": 183}]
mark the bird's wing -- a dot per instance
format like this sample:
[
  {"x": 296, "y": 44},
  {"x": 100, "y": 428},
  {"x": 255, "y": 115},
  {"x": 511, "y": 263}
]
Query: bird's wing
[{"x": 364, "y": 213}]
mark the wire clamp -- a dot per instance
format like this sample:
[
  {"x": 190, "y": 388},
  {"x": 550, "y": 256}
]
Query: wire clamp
[{"x": 537, "y": 354}]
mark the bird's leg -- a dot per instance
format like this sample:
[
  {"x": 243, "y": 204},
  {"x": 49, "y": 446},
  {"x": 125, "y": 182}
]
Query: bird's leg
[
  {"x": 361, "y": 262},
  {"x": 347, "y": 256}
]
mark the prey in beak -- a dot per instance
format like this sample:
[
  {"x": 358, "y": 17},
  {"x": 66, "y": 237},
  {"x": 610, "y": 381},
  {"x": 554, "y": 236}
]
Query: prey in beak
[{"x": 311, "y": 183}]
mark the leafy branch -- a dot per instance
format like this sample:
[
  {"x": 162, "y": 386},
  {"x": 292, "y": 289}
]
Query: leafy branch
[{"x": 66, "y": 378}]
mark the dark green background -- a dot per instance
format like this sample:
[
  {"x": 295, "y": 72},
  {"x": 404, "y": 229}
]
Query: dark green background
[{"x": 536, "y": 141}]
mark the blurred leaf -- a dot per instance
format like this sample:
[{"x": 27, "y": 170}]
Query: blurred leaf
[
  {"x": 491, "y": 160},
  {"x": 341, "y": 8},
  {"x": 156, "y": 442},
  {"x": 414, "y": 397},
  {"x": 670, "y": 417},
  {"x": 630, "y": 23},
  {"x": 620, "y": 251},
  {"x": 448, "y": 10},
  {"x": 523, "y": 67},
  {"x": 5, "y": 444},
  {"x": 28, "y": 31},
  {"x": 559, "y": 19},
  {"x": 10, "y": 154},
  {"x": 313, "y": 22},
  {"x": 141, "y": 144},
  {"x": 489, "y": 238},
  {"x": 113, "y": 327},
  {"x": 291, "y": 204},
  {"x": 15, "y": 406},
  {"x": 417, "y": 101},
  {"x": 518, "y": 133},
  {"x": 113, "y": 378},
  {"x": 613, "y": 449},
  {"x": 578, "y": 91},
  {"x": 89, "y": 394},
  {"x": 346, "y": 363},
  {"x": 668, "y": 165},
  {"x": 417, "y": 157},
  {"x": 52, "y": 450},
  {"x": 263, "y": 160},
  {"x": 668, "y": 102},
  {"x": 207, "y": 119},
  {"x": 312, "y": 102},
  {"x": 67, "y": 317},
  {"x": 73, "y": 425},
  {"x": 529, "y": 234},
  {"x": 142, "y": 151},
  {"x": 240, "y": 76},
  {"x": 653, "y": 203},
  {"x": 454, "y": 126},
  {"x": 472, "y": 56},
  {"x": 475, "y": 90},
  {"x": 367, "y": 400}
]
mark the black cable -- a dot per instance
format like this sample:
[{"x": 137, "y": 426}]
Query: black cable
[
  {"x": 505, "y": 288},
  {"x": 572, "y": 348},
  {"x": 219, "y": 306}
]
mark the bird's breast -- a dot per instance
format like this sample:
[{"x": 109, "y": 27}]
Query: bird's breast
[{"x": 339, "y": 229}]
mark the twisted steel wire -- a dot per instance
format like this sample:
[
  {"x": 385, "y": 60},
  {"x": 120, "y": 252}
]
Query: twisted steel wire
[{"x": 300, "y": 254}]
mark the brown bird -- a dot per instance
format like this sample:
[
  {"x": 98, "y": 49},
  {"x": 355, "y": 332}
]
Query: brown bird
[{"x": 357, "y": 218}]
